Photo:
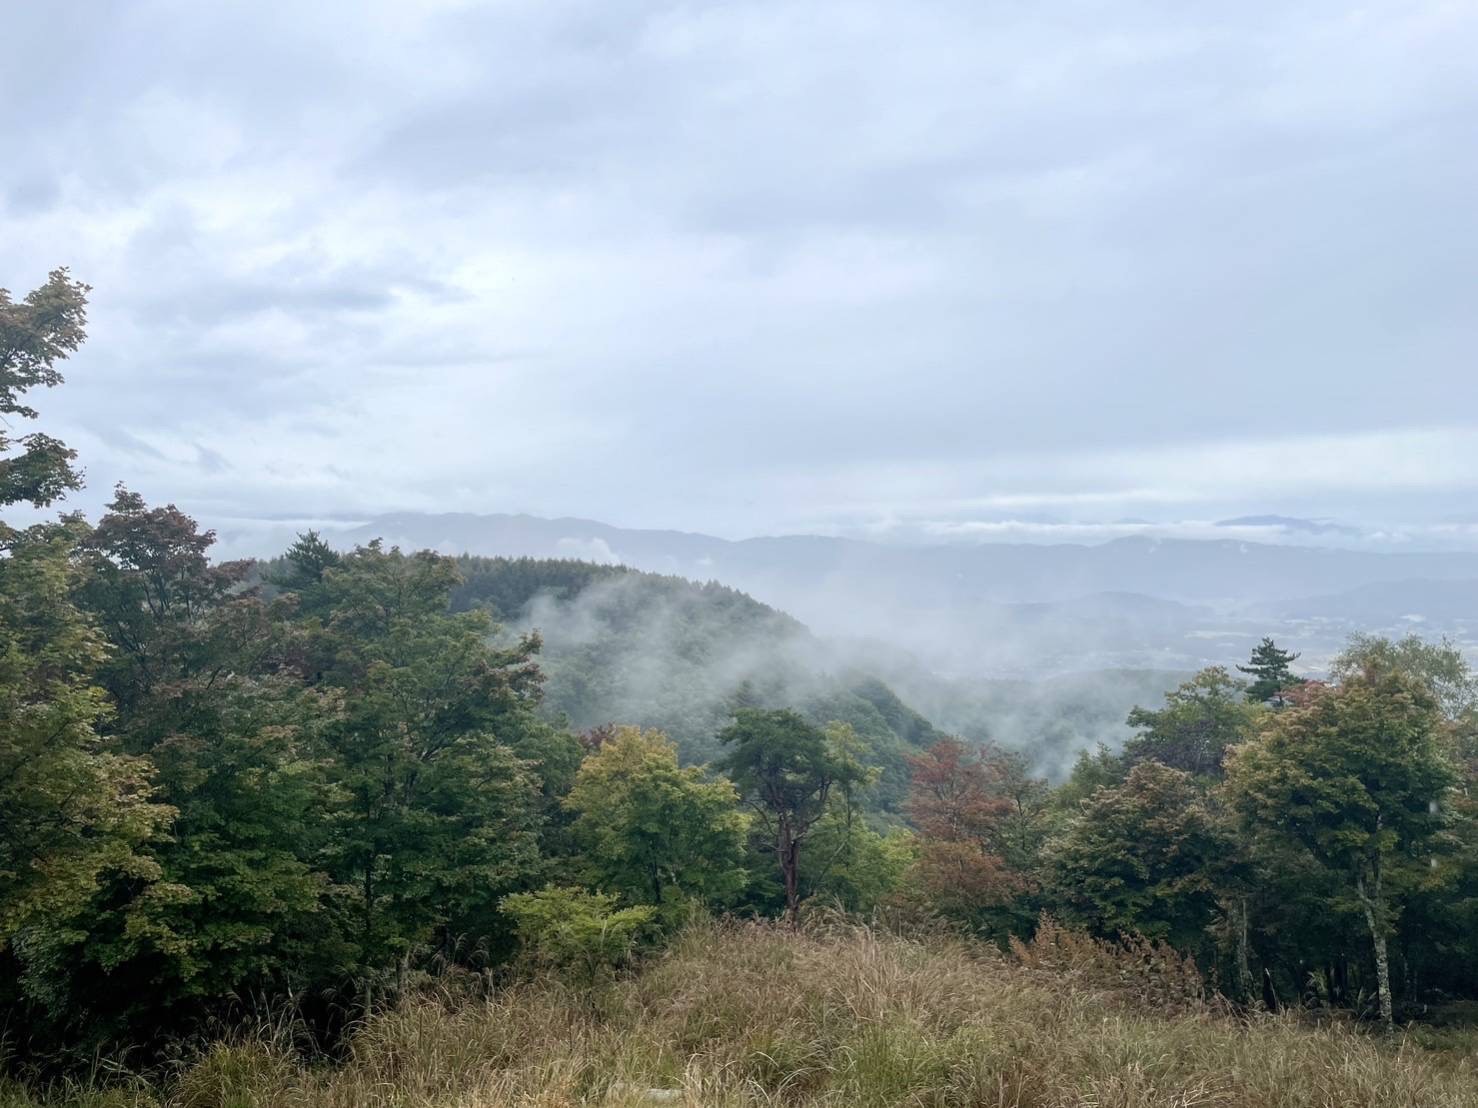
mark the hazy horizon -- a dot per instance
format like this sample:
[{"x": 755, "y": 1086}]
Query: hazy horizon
[{"x": 268, "y": 534}]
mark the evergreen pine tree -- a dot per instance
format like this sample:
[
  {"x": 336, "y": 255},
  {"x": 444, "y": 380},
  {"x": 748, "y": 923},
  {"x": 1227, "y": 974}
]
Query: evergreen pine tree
[{"x": 1271, "y": 671}]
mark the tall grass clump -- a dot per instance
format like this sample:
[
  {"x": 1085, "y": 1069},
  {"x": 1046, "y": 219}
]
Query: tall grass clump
[{"x": 837, "y": 1014}]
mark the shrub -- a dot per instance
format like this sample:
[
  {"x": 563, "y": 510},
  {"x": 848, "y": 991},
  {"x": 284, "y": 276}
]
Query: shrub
[
  {"x": 1143, "y": 971},
  {"x": 577, "y": 934}
]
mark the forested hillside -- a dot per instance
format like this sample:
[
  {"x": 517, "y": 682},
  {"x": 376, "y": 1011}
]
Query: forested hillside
[{"x": 622, "y": 646}]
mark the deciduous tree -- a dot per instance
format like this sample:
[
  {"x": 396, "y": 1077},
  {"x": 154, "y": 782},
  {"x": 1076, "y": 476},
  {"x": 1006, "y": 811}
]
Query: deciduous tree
[
  {"x": 1142, "y": 858},
  {"x": 652, "y": 831},
  {"x": 788, "y": 771},
  {"x": 35, "y": 334},
  {"x": 974, "y": 809},
  {"x": 1200, "y": 721},
  {"x": 75, "y": 810},
  {"x": 442, "y": 814},
  {"x": 1356, "y": 777}
]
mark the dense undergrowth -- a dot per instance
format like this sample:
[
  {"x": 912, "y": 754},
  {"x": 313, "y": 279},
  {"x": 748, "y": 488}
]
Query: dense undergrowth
[{"x": 746, "y": 1014}]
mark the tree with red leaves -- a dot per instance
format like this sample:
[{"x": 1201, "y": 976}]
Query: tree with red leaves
[{"x": 973, "y": 807}]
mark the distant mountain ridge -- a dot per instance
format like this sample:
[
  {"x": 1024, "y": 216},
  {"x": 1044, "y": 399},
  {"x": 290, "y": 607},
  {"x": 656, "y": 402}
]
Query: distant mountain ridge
[
  {"x": 1185, "y": 570},
  {"x": 1016, "y": 609}
]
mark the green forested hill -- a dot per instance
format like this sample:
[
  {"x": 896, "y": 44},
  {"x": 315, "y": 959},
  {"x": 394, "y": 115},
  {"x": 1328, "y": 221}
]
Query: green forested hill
[{"x": 623, "y": 646}]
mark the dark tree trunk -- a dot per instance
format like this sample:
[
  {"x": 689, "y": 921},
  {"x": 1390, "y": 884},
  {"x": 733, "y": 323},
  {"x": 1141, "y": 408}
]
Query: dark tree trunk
[
  {"x": 789, "y": 849},
  {"x": 1244, "y": 969},
  {"x": 1269, "y": 994},
  {"x": 369, "y": 930}
]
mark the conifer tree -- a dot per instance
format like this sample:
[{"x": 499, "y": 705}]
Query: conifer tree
[{"x": 1271, "y": 670}]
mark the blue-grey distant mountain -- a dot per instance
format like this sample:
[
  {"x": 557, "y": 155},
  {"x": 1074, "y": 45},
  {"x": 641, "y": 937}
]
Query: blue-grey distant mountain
[
  {"x": 1183, "y": 570},
  {"x": 1415, "y": 602}
]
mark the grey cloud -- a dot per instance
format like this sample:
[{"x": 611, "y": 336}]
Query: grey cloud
[
  {"x": 316, "y": 298},
  {"x": 126, "y": 443},
  {"x": 28, "y": 195},
  {"x": 209, "y": 460}
]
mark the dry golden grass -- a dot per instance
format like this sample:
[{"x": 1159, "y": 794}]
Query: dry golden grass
[{"x": 839, "y": 1015}]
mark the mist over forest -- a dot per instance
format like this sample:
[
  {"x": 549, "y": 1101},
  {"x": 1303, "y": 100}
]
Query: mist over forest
[{"x": 1042, "y": 649}]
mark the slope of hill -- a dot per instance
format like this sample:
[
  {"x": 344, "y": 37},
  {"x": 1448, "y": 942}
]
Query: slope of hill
[
  {"x": 1050, "y": 720},
  {"x": 623, "y": 646}
]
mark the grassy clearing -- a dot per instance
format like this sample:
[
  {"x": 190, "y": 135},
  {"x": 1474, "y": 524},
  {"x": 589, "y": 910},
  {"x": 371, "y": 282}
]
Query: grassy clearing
[{"x": 753, "y": 1015}]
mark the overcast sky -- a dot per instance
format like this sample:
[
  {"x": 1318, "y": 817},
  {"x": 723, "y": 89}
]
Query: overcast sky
[{"x": 951, "y": 269}]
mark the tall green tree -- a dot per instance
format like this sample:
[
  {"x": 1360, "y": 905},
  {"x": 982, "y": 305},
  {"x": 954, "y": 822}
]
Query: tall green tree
[
  {"x": 652, "y": 831},
  {"x": 1439, "y": 919},
  {"x": 789, "y": 772},
  {"x": 1440, "y": 666},
  {"x": 442, "y": 814},
  {"x": 1356, "y": 777},
  {"x": 171, "y": 614},
  {"x": 35, "y": 334},
  {"x": 1271, "y": 670},
  {"x": 1142, "y": 858},
  {"x": 860, "y": 868},
  {"x": 205, "y": 684},
  {"x": 76, "y": 812},
  {"x": 74, "y": 808},
  {"x": 1201, "y": 720}
]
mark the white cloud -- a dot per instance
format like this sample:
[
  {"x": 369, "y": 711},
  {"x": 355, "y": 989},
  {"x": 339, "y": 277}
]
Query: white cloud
[{"x": 588, "y": 550}]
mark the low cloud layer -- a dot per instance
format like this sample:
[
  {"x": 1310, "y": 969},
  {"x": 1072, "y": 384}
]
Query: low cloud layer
[{"x": 956, "y": 270}]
